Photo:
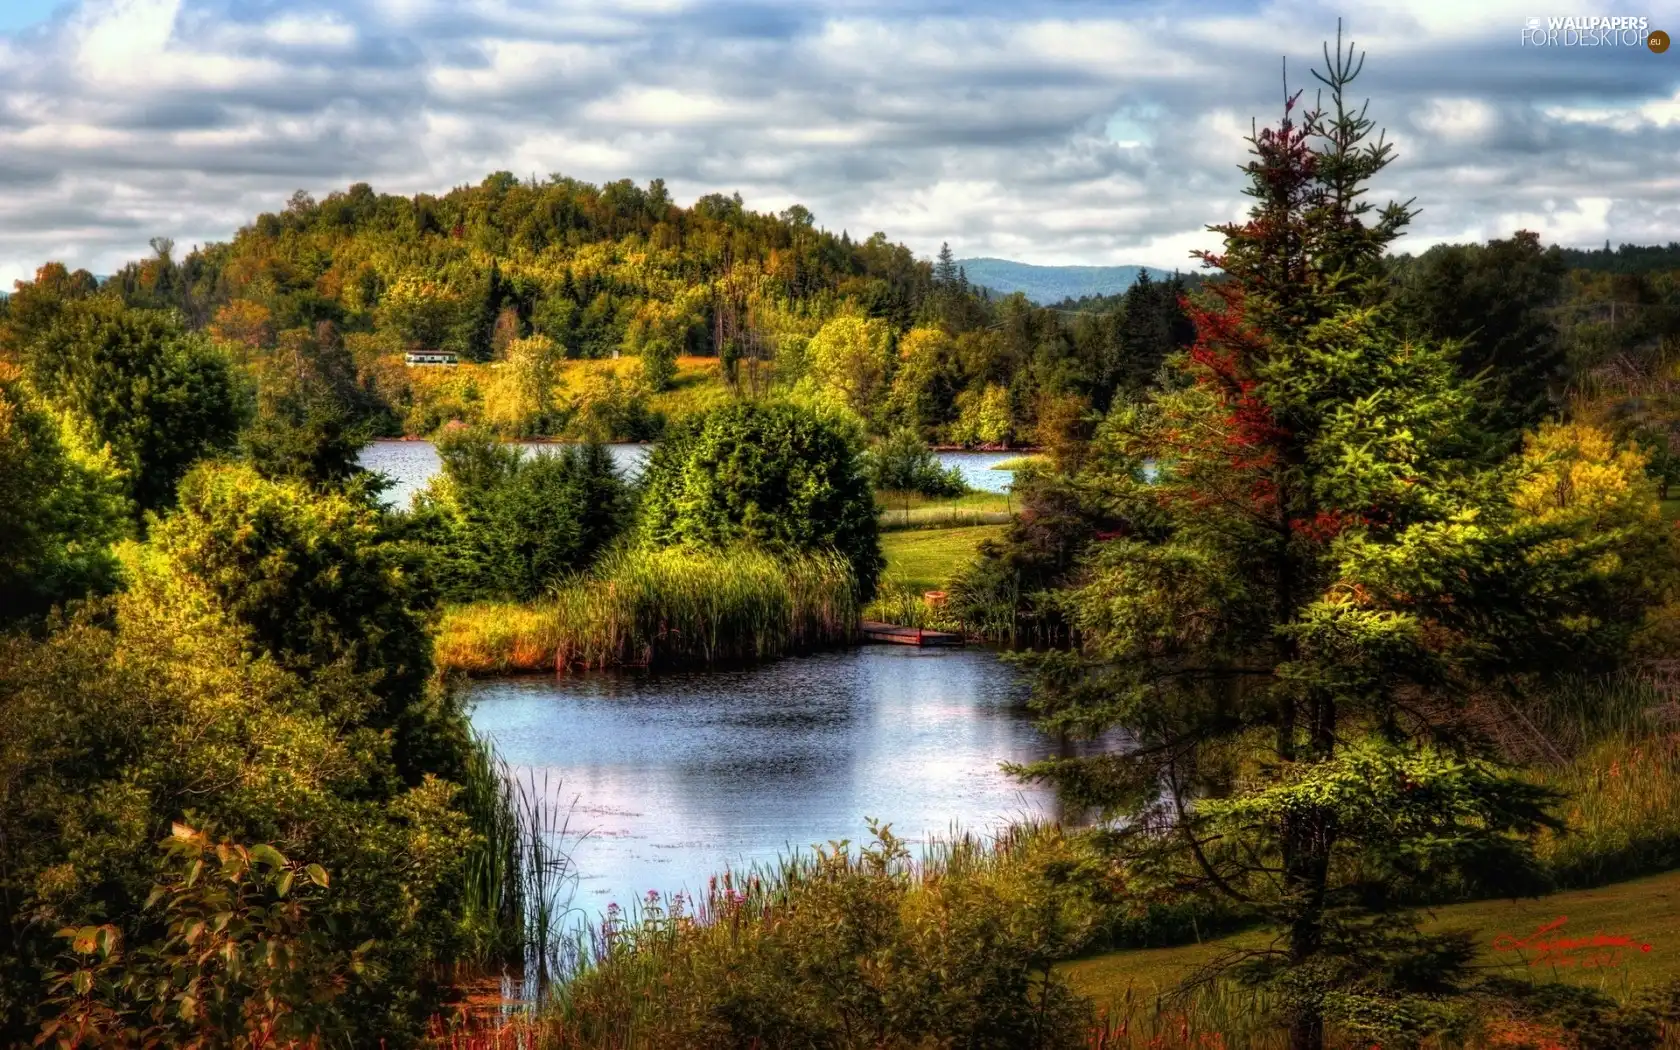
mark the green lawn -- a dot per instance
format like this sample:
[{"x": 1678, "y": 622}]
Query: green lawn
[
  {"x": 1647, "y": 911},
  {"x": 921, "y": 560},
  {"x": 1671, "y": 509},
  {"x": 910, "y": 510}
]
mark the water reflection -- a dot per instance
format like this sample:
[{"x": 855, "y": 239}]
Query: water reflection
[{"x": 675, "y": 776}]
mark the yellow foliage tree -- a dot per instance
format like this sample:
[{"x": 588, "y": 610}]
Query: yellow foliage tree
[
  {"x": 522, "y": 399},
  {"x": 848, "y": 363}
]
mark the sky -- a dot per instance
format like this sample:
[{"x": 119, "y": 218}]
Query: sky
[{"x": 1049, "y": 132}]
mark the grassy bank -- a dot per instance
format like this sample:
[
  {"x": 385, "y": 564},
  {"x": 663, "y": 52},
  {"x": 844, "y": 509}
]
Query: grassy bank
[
  {"x": 921, "y": 560},
  {"x": 660, "y": 609},
  {"x": 1023, "y": 462},
  {"x": 841, "y": 947},
  {"x": 487, "y": 638}
]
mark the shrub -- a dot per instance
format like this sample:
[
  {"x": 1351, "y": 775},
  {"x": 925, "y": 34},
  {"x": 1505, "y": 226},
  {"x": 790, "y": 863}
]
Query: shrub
[
  {"x": 159, "y": 396},
  {"x": 241, "y": 960},
  {"x": 848, "y": 948},
  {"x": 903, "y": 463},
  {"x": 508, "y": 524},
  {"x": 773, "y": 476},
  {"x": 59, "y": 510}
]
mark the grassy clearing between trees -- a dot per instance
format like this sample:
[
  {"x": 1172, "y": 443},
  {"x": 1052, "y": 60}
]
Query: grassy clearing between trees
[
  {"x": 1647, "y": 911},
  {"x": 902, "y": 510},
  {"x": 920, "y": 560},
  {"x": 1623, "y": 820}
]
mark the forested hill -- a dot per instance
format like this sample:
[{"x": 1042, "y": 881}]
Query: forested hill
[
  {"x": 539, "y": 286},
  {"x": 1053, "y": 284},
  {"x": 576, "y": 310},
  {"x": 597, "y": 269}
]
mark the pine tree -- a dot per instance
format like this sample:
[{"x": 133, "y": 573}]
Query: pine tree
[
  {"x": 1313, "y": 577},
  {"x": 945, "y": 270}
]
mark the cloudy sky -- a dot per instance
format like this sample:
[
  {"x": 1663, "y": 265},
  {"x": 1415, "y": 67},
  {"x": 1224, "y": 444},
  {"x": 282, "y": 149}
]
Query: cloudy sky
[{"x": 1051, "y": 132}]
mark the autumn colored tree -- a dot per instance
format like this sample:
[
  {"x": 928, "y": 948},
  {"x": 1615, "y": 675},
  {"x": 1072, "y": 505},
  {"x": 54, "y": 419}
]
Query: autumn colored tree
[
  {"x": 1315, "y": 573},
  {"x": 248, "y": 324}
]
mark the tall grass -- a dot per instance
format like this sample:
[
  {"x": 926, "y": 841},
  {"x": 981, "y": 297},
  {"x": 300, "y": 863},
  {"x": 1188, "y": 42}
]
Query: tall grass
[
  {"x": 1622, "y": 813},
  {"x": 519, "y": 878},
  {"x": 496, "y": 638},
  {"x": 684, "y": 607},
  {"x": 941, "y": 517},
  {"x": 660, "y": 609}
]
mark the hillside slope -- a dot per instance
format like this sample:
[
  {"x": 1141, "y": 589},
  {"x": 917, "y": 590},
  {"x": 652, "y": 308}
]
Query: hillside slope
[{"x": 1052, "y": 284}]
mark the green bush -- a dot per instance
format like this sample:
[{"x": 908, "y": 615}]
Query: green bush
[
  {"x": 323, "y": 583},
  {"x": 242, "y": 959},
  {"x": 59, "y": 511},
  {"x": 160, "y": 396},
  {"x": 508, "y": 524},
  {"x": 848, "y": 948},
  {"x": 902, "y": 462},
  {"x": 775, "y": 476}
]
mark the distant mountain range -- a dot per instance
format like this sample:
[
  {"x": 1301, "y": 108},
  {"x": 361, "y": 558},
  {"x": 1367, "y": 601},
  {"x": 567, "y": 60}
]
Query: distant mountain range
[{"x": 1052, "y": 284}]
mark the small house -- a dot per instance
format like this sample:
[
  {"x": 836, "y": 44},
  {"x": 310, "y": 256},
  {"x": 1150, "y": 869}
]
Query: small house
[{"x": 429, "y": 357}]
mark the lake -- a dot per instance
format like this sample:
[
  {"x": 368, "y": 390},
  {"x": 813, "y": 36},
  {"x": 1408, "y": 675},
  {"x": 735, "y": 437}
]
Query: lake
[
  {"x": 411, "y": 464},
  {"x": 671, "y": 777}
]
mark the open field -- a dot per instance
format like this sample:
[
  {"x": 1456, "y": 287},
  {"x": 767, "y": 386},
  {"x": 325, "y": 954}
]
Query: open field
[
  {"x": 909, "y": 510},
  {"x": 921, "y": 560},
  {"x": 1645, "y": 911}
]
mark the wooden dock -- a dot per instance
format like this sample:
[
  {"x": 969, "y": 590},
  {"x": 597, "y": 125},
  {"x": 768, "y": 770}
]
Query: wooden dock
[{"x": 892, "y": 634}]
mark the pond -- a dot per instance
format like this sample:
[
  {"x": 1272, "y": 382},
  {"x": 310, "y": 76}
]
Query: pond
[
  {"x": 411, "y": 464},
  {"x": 670, "y": 778}
]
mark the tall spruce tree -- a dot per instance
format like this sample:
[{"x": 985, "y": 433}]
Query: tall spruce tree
[
  {"x": 945, "y": 270},
  {"x": 1315, "y": 575}
]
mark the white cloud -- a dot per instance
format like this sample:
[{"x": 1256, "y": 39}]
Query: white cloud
[{"x": 1050, "y": 132}]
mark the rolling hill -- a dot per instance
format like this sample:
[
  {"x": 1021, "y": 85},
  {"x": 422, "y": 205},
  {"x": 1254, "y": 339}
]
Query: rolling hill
[{"x": 1052, "y": 284}]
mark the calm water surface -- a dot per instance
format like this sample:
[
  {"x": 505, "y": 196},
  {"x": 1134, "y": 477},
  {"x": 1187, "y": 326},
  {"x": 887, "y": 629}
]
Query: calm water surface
[
  {"x": 672, "y": 777},
  {"x": 411, "y": 464}
]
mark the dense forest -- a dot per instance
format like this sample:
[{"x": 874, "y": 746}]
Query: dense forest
[{"x": 1367, "y": 554}]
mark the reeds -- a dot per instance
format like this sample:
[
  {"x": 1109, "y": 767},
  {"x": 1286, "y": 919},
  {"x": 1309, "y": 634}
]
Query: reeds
[
  {"x": 519, "y": 877},
  {"x": 660, "y": 609},
  {"x": 496, "y": 638},
  {"x": 1622, "y": 814},
  {"x": 683, "y": 607}
]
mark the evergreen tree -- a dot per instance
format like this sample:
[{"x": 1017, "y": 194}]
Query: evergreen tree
[
  {"x": 1302, "y": 597},
  {"x": 945, "y": 270},
  {"x": 313, "y": 416},
  {"x": 1494, "y": 301},
  {"x": 1152, "y": 325}
]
